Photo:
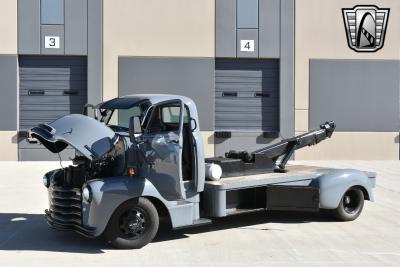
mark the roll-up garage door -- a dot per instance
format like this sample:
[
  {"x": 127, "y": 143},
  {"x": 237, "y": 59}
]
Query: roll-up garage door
[
  {"x": 247, "y": 95},
  {"x": 50, "y": 87}
]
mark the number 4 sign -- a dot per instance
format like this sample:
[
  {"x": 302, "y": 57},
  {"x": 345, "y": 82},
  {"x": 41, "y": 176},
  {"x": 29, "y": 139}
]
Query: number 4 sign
[
  {"x": 247, "y": 45},
  {"x": 52, "y": 42}
]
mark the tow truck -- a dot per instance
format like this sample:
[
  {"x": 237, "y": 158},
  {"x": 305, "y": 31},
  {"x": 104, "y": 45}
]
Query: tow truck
[{"x": 141, "y": 160}]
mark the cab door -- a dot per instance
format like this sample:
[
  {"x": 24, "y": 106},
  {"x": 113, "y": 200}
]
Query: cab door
[{"x": 162, "y": 146}]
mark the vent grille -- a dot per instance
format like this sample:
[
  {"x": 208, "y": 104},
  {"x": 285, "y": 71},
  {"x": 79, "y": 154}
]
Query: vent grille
[{"x": 66, "y": 206}]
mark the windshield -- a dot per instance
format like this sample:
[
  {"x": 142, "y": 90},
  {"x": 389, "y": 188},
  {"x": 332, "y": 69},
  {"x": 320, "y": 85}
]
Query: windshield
[{"x": 120, "y": 117}]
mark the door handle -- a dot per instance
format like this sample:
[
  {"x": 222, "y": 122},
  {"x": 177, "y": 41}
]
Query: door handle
[
  {"x": 173, "y": 141},
  {"x": 36, "y": 92}
]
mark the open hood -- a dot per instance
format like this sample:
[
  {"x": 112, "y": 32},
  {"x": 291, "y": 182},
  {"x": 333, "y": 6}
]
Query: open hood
[{"x": 91, "y": 138}]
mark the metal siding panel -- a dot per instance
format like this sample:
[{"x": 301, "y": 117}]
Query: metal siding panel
[
  {"x": 247, "y": 34},
  {"x": 360, "y": 95},
  {"x": 269, "y": 28},
  {"x": 246, "y": 112},
  {"x": 76, "y": 27},
  {"x": 286, "y": 81},
  {"x": 29, "y": 27},
  {"x": 191, "y": 77},
  {"x": 95, "y": 51},
  {"x": 52, "y": 30},
  {"x": 8, "y": 88},
  {"x": 225, "y": 28}
]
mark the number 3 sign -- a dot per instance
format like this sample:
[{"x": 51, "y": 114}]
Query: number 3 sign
[
  {"x": 52, "y": 42},
  {"x": 247, "y": 45}
]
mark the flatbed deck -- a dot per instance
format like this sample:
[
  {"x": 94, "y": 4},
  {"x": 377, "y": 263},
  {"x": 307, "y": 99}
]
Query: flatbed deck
[{"x": 294, "y": 173}]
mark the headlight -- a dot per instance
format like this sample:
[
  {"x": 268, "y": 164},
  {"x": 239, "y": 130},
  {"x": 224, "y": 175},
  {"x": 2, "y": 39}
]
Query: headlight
[
  {"x": 87, "y": 193},
  {"x": 46, "y": 181}
]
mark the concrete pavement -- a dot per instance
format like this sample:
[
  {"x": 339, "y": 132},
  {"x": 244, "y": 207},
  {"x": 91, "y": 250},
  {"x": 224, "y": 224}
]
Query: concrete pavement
[{"x": 258, "y": 239}]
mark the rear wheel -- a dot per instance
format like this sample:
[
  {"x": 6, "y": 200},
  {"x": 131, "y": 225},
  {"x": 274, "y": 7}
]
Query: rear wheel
[
  {"x": 351, "y": 205},
  {"x": 133, "y": 225}
]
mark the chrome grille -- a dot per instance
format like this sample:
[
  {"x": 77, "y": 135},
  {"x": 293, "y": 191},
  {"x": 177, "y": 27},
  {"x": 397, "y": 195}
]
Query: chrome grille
[{"x": 66, "y": 205}]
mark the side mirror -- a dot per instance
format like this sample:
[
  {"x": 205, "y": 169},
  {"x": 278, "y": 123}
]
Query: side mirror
[{"x": 134, "y": 128}]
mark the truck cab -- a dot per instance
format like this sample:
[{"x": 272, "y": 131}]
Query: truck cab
[
  {"x": 168, "y": 136},
  {"x": 141, "y": 159}
]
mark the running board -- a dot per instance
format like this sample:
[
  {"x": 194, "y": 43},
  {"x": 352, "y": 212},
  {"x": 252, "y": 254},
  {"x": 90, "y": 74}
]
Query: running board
[{"x": 196, "y": 223}]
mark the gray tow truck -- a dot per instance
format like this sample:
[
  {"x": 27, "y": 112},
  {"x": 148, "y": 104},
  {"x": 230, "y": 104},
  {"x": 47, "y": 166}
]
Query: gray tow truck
[{"x": 140, "y": 159}]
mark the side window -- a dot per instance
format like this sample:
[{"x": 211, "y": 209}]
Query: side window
[
  {"x": 170, "y": 114},
  {"x": 166, "y": 119}
]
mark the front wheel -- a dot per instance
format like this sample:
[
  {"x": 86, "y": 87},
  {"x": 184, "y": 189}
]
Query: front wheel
[
  {"x": 350, "y": 206},
  {"x": 133, "y": 225}
]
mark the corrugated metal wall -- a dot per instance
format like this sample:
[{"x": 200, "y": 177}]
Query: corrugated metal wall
[
  {"x": 247, "y": 95},
  {"x": 50, "y": 87}
]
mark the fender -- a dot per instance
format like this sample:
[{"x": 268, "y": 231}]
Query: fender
[
  {"x": 334, "y": 183},
  {"x": 109, "y": 193}
]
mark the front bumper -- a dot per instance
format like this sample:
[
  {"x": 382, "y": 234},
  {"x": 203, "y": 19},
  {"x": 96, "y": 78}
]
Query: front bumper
[
  {"x": 69, "y": 226},
  {"x": 65, "y": 212}
]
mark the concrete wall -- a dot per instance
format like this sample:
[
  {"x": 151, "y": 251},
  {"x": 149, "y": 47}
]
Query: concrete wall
[
  {"x": 320, "y": 34},
  {"x": 8, "y": 88},
  {"x": 153, "y": 28},
  {"x": 8, "y": 27},
  {"x": 208, "y": 142},
  {"x": 174, "y": 28},
  {"x": 354, "y": 145}
]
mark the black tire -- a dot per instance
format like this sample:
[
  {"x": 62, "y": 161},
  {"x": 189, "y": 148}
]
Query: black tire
[
  {"x": 133, "y": 225},
  {"x": 351, "y": 205}
]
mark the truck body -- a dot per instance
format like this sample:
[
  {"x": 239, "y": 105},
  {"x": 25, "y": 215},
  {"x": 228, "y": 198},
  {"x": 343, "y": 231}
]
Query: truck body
[{"x": 143, "y": 160}]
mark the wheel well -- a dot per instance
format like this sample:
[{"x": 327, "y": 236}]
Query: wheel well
[
  {"x": 365, "y": 192},
  {"x": 162, "y": 210}
]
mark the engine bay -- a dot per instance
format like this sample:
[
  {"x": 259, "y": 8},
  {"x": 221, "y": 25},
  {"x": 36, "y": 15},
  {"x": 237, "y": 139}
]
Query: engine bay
[{"x": 82, "y": 169}]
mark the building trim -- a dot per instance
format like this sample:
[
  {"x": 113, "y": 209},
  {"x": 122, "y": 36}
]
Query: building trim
[
  {"x": 95, "y": 51},
  {"x": 287, "y": 69}
]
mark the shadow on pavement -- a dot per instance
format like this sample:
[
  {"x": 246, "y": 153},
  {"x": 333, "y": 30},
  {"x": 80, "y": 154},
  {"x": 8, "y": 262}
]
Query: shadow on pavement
[
  {"x": 246, "y": 222},
  {"x": 30, "y": 231}
]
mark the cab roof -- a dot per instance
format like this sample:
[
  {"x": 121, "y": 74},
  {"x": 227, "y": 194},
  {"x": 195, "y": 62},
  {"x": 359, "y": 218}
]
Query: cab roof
[{"x": 128, "y": 101}]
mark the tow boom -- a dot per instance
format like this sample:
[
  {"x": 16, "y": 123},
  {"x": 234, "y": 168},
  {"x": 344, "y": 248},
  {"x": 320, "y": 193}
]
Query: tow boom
[{"x": 264, "y": 159}]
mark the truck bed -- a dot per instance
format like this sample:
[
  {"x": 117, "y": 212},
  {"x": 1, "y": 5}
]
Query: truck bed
[
  {"x": 283, "y": 191},
  {"x": 295, "y": 173}
]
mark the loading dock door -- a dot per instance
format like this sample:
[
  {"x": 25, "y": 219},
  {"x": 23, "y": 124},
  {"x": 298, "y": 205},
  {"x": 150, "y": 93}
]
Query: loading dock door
[
  {"x": 247, "y": 95},
  {"x": 50, "y": 87}
]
